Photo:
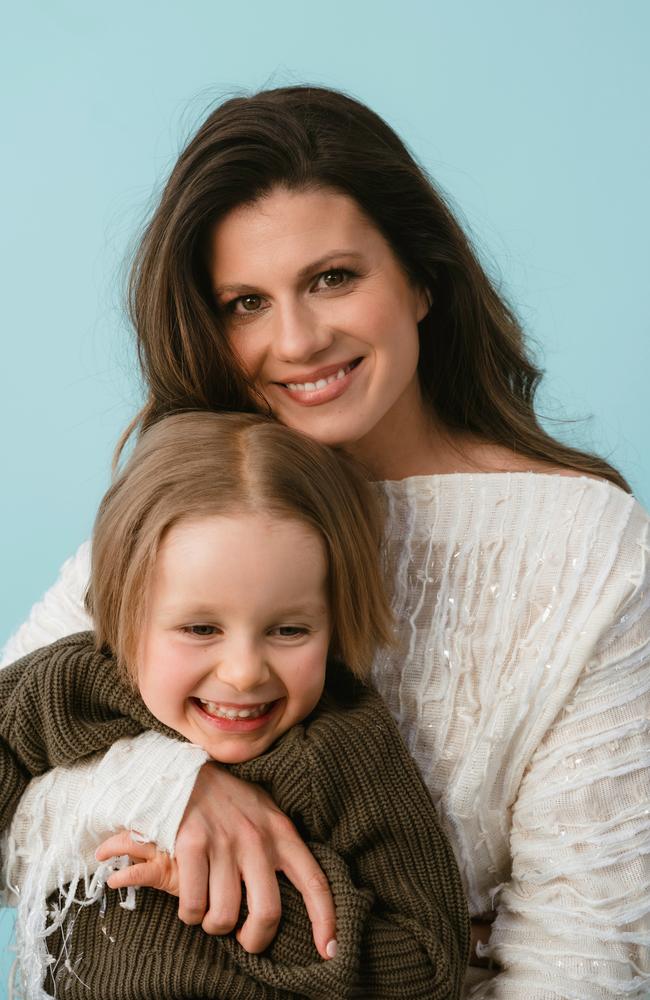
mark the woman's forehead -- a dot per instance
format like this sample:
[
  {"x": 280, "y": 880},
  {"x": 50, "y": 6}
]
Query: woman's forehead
[{"x": 298, "y": 229}]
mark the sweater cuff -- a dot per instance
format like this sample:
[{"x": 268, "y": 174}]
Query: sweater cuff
[{"x": 148, "y": 781}]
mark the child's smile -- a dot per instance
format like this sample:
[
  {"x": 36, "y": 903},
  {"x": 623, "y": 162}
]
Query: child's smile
[
  {"x": 235, "y": 642},
  {"x": 236, "y": 718}
]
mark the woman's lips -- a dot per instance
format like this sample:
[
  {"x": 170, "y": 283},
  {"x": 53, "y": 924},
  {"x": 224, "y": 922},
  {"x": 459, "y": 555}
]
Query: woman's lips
[
  {"x": 336, "y": 382},
  {"x": 240, "y": 725}
]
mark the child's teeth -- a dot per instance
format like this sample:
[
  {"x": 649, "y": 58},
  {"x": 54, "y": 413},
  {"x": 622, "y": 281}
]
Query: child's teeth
[{"x": 213, "y": 708}]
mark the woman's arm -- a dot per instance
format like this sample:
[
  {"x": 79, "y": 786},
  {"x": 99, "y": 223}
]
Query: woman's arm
[
  {"x": 574, "y": 919},
  {"x": 99, "y": 795},
  {"x": 60, "y": 612}
]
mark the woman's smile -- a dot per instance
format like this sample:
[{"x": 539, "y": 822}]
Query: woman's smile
[{"x": 321, "y": 386}]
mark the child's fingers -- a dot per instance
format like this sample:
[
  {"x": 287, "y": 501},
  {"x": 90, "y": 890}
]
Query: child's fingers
[
  {"x": 123, "y": 843},
  {"x": 147, "y": 873}
]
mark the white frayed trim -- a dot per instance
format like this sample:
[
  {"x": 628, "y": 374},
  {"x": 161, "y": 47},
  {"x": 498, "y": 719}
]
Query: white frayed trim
[{"x": 36, "y": 922}]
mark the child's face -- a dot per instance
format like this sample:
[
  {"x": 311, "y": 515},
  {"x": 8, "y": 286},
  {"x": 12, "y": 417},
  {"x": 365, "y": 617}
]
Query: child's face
[{"x": 235, "y": 644}]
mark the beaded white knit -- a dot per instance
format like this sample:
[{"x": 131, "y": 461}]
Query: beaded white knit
[{"x": 521, "y": 684}]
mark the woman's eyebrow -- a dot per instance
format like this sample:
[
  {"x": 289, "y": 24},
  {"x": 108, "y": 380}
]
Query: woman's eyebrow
[{"x": 303, "y": 273}]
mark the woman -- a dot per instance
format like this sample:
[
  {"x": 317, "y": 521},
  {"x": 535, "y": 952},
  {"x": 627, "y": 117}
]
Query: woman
[{"x": 300, "y": 261}]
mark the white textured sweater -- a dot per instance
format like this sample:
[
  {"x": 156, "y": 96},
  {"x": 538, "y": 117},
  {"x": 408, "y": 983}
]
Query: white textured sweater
[{"x": 521, "y": 684}]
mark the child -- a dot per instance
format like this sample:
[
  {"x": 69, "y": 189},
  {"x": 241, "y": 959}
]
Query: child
[{"x": 235, "y": 569}]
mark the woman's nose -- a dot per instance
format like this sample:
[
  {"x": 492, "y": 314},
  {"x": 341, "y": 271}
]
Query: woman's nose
[
  {"x": 242, "y": 667},
  {"x": 298, "y": 333}
]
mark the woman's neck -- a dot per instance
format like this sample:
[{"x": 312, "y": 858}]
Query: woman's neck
[
  {"x": 410, "y": 443},
  {"x": 425, "y": 447}
]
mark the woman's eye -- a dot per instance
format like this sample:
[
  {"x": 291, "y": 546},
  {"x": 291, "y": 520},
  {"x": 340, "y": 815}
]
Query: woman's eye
[
  {"x": 244, "y": 305},
  {"x": 334, "y": 278}
]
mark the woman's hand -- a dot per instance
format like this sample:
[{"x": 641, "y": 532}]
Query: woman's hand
[{"x": 232, "y": 832}]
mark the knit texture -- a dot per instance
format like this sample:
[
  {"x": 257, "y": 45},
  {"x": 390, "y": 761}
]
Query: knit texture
[
  {"x": 521, "y": 683},
  {"x": 343, "y": 777}
]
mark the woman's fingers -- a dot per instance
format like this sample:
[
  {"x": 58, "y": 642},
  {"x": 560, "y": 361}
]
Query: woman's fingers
[
  {"x": 301, "y": 868},
  {"x": 193, "y": 872},
  {"x": 264, "y": 906},
  {"x": 224, "y": 895},
  {"x": 232, "y": 831}
]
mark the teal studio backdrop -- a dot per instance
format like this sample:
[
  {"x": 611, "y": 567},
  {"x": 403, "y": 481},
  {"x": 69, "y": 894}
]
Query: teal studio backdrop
[{"x": 532, "y": 117}]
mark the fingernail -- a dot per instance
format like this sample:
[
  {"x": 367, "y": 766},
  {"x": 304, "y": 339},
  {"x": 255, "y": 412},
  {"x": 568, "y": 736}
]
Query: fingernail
[{"x": 330, "y": 950}]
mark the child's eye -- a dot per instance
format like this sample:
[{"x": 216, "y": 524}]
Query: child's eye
[
  {"x": 202, "y": 631},
  {"x": 289, "y": 631}
]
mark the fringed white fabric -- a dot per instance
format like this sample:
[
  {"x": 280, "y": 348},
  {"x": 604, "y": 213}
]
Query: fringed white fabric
[
  {"x": 51, "y": 850},
  {"x": 521, "y": 683}
]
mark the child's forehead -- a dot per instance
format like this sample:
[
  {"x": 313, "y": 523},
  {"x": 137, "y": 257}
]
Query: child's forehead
[
  {"x": 239, "y": 531},
  {"x": 264, "y": 562}
]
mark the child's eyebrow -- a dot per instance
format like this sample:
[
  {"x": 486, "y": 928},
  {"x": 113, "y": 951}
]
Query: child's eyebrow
[
  {"x": 300, "y": 609},
  {"x": 189, "y": 611},
  {"x": 196, "y": 611}
]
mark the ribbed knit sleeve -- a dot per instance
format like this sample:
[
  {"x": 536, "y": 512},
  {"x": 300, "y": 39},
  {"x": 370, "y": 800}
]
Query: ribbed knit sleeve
[
  {"x": 574, "y": 918},
  {"x": 405, "y": 933},
  {"x": 373, "y": 808},
  {"x": 66, "y": 702},
  {"x": 58, "y": 705}
]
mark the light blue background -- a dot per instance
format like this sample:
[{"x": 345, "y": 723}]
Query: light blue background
[{"x": 532, "y": 116}]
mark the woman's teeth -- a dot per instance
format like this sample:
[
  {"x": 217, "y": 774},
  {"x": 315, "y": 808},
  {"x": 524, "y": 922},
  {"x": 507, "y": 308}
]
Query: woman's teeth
[
  {"x": 212, "y": 708},
  {"x": 322, "y": 382}
]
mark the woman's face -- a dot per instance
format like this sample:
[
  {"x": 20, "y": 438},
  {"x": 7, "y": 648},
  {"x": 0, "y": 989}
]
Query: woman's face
[{"x": 321, "y": 315}]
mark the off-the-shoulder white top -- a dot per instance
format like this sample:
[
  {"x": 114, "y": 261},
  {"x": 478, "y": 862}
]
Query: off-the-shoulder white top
[{"x": 521, "y": 683}]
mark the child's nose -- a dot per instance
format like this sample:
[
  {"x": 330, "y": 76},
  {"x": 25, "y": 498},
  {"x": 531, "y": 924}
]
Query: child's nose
[{"x": 243, "y": 667}]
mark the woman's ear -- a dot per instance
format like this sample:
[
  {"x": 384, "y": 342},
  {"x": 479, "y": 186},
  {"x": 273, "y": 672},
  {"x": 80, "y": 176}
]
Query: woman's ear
[{"x": 424, "y": 303}]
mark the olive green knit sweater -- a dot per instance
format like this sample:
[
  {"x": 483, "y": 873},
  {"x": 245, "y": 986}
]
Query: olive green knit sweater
[{"x": 345, "y": 779}]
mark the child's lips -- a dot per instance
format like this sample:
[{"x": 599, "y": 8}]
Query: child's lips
[{"x": 226, "y": 721}]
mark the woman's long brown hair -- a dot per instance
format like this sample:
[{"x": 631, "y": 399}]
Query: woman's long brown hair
[{"x": 474, "y": 368}]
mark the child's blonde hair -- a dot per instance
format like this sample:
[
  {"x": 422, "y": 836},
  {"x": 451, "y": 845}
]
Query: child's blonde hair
[{"x": 198, "y": 464}]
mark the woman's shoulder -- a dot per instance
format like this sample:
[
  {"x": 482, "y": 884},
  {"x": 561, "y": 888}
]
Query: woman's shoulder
[
  {"x": 570, "y": 533},
  {"x": 487, "y": 489}
]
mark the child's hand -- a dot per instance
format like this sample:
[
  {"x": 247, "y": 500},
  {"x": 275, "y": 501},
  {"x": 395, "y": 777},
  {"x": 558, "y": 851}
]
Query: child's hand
[{"x": 149, "y": 866}]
